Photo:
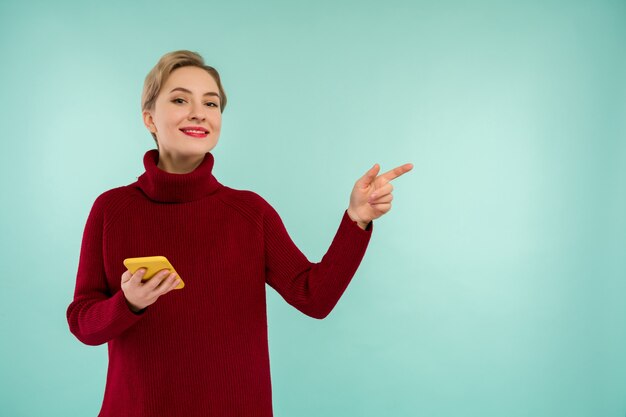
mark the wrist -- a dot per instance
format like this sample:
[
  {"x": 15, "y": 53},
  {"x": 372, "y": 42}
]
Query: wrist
[
  {"x": 132, "y": 307},
  {"x": 360, "y": 222}
]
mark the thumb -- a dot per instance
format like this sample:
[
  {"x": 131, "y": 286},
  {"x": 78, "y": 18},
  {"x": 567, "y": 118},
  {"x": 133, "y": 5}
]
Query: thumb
[{"x": 369, "y": 176}]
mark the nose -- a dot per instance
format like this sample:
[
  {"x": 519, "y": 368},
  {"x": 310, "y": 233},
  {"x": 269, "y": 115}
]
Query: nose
[{"x": 196, "y": 112}]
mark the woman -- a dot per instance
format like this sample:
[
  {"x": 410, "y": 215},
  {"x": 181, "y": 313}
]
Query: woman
[{"x": 202, "y": 350}]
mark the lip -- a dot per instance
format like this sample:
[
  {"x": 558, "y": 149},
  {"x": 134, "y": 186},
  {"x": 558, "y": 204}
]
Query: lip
[{"x": 194, "y": 131}]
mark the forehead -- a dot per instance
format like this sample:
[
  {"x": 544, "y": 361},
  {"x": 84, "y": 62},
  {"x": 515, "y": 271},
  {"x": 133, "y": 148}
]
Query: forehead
[{"x": 196, "y": 79}]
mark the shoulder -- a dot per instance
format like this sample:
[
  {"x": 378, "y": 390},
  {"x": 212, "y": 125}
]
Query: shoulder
[
  {"x": 113, "y": 196},
  {"x": 250, "y": 204},
  {"x": 243, "y": 197},
  {"x": 112, "y": 202}
]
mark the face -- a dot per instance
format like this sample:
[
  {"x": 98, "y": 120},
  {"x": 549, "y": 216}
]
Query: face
[{"x": 186, "y": 117}]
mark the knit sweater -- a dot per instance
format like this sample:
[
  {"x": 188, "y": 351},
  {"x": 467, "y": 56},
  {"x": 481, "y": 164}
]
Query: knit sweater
[{"x": 201, "y": 350}]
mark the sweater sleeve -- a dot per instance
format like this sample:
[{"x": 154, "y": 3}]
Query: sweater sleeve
[
  {"x": 96, "y": 316},
  {"x": 312, "y": 288}
]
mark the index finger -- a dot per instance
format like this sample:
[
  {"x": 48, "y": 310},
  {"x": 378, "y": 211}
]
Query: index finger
[
  {"x": 397, "y": 171},
  {"x": 135, "y": 279}
]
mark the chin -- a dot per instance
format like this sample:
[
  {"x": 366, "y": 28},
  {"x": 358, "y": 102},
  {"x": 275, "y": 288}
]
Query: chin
[{"x": 195, "y": 149}]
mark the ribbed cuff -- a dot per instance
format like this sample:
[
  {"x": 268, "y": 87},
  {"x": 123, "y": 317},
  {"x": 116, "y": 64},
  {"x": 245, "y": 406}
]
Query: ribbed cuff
[
  {"x": 124, "y": 316},
  {"x": 346, "y": 218},
  {"x": 350, "y": 241}
]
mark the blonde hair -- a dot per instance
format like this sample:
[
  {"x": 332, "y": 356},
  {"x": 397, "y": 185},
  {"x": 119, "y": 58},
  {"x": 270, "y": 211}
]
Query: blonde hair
[{"x": 167, "y": 64}]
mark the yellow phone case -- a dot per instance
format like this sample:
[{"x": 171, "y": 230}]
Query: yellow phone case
[{"x": 153, "y": 264}]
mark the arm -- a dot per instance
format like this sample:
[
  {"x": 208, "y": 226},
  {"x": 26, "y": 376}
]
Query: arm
[
  {"x": 312, "y": 288},
  {"x": 95, "y": 316}
]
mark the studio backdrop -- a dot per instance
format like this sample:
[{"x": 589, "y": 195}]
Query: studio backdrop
[{"x": 494, "y": 287}]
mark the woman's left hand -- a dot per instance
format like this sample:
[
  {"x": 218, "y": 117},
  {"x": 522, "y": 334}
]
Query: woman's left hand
[{"x": 371, "y": 196}]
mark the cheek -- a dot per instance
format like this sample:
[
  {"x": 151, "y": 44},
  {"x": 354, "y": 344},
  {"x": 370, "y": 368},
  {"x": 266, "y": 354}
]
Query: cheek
[
  {"x": 216, "y": 122},
  {"x": 175, "y": 116},
  {"x": 169, "y": 116}
]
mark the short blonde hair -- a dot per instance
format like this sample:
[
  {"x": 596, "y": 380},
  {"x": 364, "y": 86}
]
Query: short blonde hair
[{"x": 167, "y": 64}]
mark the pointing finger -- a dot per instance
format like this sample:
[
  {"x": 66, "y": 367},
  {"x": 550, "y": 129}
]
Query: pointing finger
[{"x": 397, "y": 171}]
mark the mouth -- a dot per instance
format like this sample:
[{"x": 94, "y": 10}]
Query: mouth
[{"x": 196, "y": 132}]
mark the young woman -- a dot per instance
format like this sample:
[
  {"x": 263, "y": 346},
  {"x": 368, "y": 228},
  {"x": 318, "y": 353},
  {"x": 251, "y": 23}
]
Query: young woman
[{"x": 201, "y": 350}]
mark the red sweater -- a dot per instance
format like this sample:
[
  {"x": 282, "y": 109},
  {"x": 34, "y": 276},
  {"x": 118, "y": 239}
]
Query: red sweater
[{"x": 201, "y": 350}]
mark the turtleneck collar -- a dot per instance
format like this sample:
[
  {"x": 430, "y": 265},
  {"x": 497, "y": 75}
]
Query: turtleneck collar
[{"x": 166, "y": 187}]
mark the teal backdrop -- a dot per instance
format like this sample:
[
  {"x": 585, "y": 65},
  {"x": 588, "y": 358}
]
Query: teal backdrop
[{"x": 496, "y": 285}]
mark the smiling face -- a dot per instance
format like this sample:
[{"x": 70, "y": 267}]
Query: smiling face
[{"x": 186, "y": 116}]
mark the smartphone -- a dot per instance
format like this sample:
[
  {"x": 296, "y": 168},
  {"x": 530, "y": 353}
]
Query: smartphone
[{"x": 153, "y": 264}]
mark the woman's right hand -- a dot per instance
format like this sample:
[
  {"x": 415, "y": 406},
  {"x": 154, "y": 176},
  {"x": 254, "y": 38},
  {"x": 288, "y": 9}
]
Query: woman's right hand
[{"x": 140, "y": 295}]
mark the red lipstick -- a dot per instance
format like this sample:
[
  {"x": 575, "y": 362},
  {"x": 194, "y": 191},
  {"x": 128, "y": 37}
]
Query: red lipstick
[{"x": 194, "y": 131}]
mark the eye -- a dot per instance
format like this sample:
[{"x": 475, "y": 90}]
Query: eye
[
  {"x": 178, "y": 101},
  {"x": 210, "y": 103}
]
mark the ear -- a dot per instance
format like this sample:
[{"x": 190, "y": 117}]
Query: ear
[{"x": 149, "y": 121}]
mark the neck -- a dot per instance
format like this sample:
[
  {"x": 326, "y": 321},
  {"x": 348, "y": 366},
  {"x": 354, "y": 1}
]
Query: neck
[
  {"x": 178, "y": 164},
  {"x": 171, "y": 187}
]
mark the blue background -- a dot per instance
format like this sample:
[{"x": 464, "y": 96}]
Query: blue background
[{"x": 494, "y": 287}]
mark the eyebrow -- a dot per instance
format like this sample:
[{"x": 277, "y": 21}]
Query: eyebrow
[{"x": 184, "y": 90}]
